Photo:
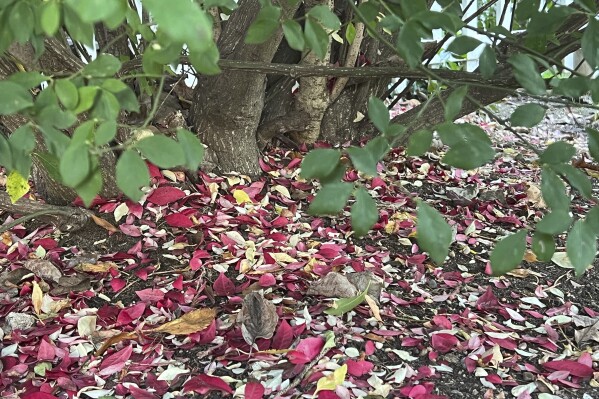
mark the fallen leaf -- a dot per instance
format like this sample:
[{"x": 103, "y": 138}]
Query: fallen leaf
[
  {"x": 590, "y": 332},
  {"x": 116, "y": 362},
  {"x": 258, "y": 318},
  {"x": 37, "y": 297},
  {"x": 333, "y": 285},
  {"x": 43, "y": 269},
  {"x": 571, "y": 366},
  {"x": 104, "y": 224},
  {"x": 561, "y": 259},
  {"x": 332, "y": 381},
  {"x": 253, "y": 390},
  {"x": 346, "y": 304},
  {"x": 374, "y": 307},
  {"x": 100, "y": 267},
  {"x": 534, "y": 195},
  {"x": 530, "y": 256},
  {"x": 189, "y": 323},
  {"x": 241, "y": 197},
  {"x": 86, "y": 326},
  {"x": 16, "y": 186},
  {"x": 115, "y": 339}
]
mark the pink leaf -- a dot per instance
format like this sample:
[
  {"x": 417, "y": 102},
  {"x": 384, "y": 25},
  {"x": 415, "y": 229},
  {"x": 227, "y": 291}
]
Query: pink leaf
[
  {"x": 115, "y": 362},
  {"x": 254, "y": 390},
  {"x": 139, "y": 393},
  {"x": 575, "y": 368},
  {"x": 131, "y": 313},
  {"x": 487, "y": 301},
  {"x": 150, "y": 295},
  {"x": 165, "y": 195},
  {"x": 306, "y": 350},
  {"x": 46, "y": 351},
  {"x": 38, "y": 395},
  {"x": 178, "y": 220},
  {"x": 267, "y": 280},
  {"x": 443, "y": 342},
  {"x": 283, "y": 337},
  {"x": 369, "y": 348},
  {"x": 442, "y": 322},
  {"x": 358, "y": 368},
  {"x": 223, "y": 285},
  {"x": 117, "y": 284},
  {"x": 203, "y": 384}
]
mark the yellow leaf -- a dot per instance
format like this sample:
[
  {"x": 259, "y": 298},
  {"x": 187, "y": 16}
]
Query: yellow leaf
[
  {"x": 16, "y": 186},
  {"x": 37, "y": 297},
  {"x": 189, "y": 323},
  {"x": 332, "y": 381},
  {"x": 241, "y": 197},
  {"x": 376, "y": 312}
]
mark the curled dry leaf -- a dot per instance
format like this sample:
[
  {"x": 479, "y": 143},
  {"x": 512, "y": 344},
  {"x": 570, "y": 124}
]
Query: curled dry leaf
[
  {"x": 43, "y": 269},
  {"x": 590, "y": 330},
  {"x": 37, "y": 297},
  {"x": 258, "y": 318},
  {"x": 534, "y": 196},
  {"x": 100, "y": 267},
  {"x": 189, "y": 323},
  {"x": 333, "y": 285},
  {"x": 376, "y": 312},
  {"x": 104, "y": 224}
]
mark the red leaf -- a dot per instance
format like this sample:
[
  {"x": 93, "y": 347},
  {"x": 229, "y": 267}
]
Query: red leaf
[
  {"x": 46, "y": 351},
  {"x": 38, "y": 395},
  {"x": 442, "y": 322},
  {"x": 358, "y": 368},
  {"x": 267, "y": 280},
  {"x": 283, "y": 337},
  {"x": 115, "y": 362},
  {"x": 487, "y": 301},
  {"x": 150, "y": 295},
  {"x": 203, "y": 383},
  {"x": 369, "y": 348},
  {"x": 306, "y": 350},
  {"x": 117, "y": 284},
  {"x": 131, "y": 313},
  {"x": 223, "y": 285},
  {"x": 254, "y": 390},
  {"x": 178, "y": 220},
  {"x": 139, "y": 393},
  {"x": 575, "y": 368},
  {"x": 165, "y": 195},
  {"x": 443, "y": 342}
]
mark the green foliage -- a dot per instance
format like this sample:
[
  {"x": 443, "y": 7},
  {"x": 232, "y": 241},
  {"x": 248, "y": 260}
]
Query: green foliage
[
  {"x": 543, "y": 246},
  {"x": 331, "y": 198},
  {"x": 527, "y": 115},
  {"x": 470, "y": 147},
  {"x": 364, "y": 213},
  {"x": 581, "y": 246},
  {"x": 453, "y": 103},
  {"x": 162, "y": 151},
  {"x": 508, "y": 253},
  {"x": 419, "y": 142},
  {"x": 434, "y": 234},
  {"x": 320, "y": 163}
]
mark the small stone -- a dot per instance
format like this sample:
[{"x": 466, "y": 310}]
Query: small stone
[
  {"x": 43, "y": 269},
  {"x": 18, "y": 321}
]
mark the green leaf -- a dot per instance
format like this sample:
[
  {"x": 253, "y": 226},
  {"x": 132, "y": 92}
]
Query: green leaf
[
  {"x": 487, "y": 62},
  {"x": 378, "y": 113},
  {"x": 162, "y": 151},
  {"x": 364, "y": 213},
  {"x": 527, "y": 74},
  {"x": 80, "y": 31},
  {"x": 55, "y": 140},
  {"x": 206, "y": 62},
  {"x": 336, "y": 175},
  {"x": 192, "y": 147},
  {"x": 316, "y": 38},
  {"x": 592, "y": 219},
  {"x": 574, "y": 86},
  {"x": 470, "y": 145},
  {"x": 587, "y": 5},
  {"x": 409, "y": 44},
  {"x": 593, "y": 139},
  {"x": 526, "y": 9},
  {"x": 75, "y": 165},
  {"x": 331, "y": 199},
  {"x": 577, "y": 179},
  {"x": 131, "y": 174},
  {"x": 5, "y": 153},
  {"x": 453, "y": 103},
  {"x": 366, "y": 158},
  {"x": 90, "y": 11},
  {"x": 554, "y": 190},
  {"x": 543, "y": 246},
  {"x": 463, "y": 45},
  {"x": 433, "y": 233},
  {"x": 105, "y": 133},
  {"x": 51, "y": 164},
  {"x": 350, "y": 33},
  {"x": 555, "y": 222},
  {"x": 581, "y": 246},
  {"x": 508, "y": 253},
  {"x": 21, "y": 21},
  {"x": 28, "y": 80},
  {"x": 67, "y": 93},
  {"x": 558, "y": 152},
  {"x": 104, "y": 65},
  {"x": 325, "y": 16},
  {"x": 107, "y": 107},
  {"x": 14, "y": 98},
  {"x": 50, "y": 17},
  {"x": 183, "y": 22},
  {"x": 90, "y": 188},
  {"x": 420, "y": 142},
  {"x": 294, "y": 35},
  {"x": 23, "y": 139},
  {"x": 264, "y": 26},
  {"x": 87, "y": 97},
  {"x": 345, "y": 305},
  {"x": 16, "y": 186},
  {"x": 527, "y": 115},
  {"x": 319, "y": 163}
]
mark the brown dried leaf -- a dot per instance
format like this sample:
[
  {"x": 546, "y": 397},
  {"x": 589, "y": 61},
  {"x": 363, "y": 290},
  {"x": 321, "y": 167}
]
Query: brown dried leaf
[
  {"x": 43, "y": 269},
  {"x": 258, "y": 318},
  {"x": 189, "y": 323},
  {"x": 104, "y": 224},
  {"x": 366, "y": 280},
  {"x": 376, "y": 312},
  {"x": 530, "y": 256},
  {"x": 333, "y": 285},
  {"x": 115, "y": 340},
  {"x": 534, "y": 195},
  {"x": 590, "y": 332},
  {"x": 100, "y": 267},
  {"x": 37, "y": 297}
]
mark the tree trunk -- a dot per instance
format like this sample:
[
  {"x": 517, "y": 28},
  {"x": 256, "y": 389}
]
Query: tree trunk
[{"x": 227, "y": 108}]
